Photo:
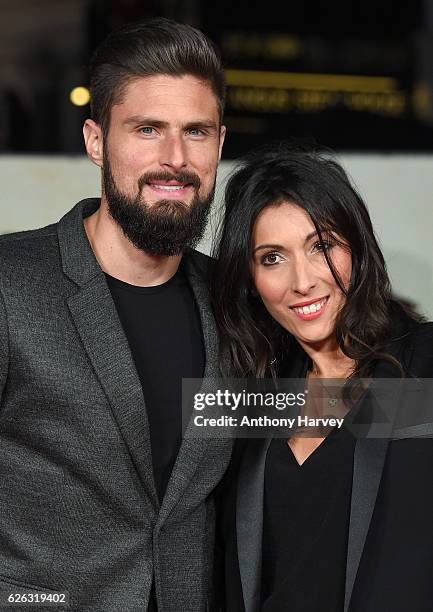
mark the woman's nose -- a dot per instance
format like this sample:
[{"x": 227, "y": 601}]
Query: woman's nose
[{"x": 304, "y": 279}]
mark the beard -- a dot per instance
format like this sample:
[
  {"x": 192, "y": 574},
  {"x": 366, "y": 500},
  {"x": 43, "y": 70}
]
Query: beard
[{"x": 166, "y": 227}]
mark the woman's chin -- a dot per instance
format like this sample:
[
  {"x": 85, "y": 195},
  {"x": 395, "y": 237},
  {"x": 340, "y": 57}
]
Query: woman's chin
[{"x": 318, "y": 341}]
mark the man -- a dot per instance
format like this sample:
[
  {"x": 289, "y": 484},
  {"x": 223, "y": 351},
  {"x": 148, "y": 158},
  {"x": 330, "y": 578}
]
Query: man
[{"x": 101, "y": 316}]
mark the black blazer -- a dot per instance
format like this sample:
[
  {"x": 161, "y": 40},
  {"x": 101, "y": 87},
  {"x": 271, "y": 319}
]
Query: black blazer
[{"x": 390, "y": 542}]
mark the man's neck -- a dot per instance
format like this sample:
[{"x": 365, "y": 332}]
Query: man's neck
[{"x": 119, "y": 258}]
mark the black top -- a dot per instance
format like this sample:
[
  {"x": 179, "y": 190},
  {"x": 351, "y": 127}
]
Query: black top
[
  {"x": 390, "y": 542},
  {"x": 162, "y": 326},
  {"x": 306, "y": 518}
]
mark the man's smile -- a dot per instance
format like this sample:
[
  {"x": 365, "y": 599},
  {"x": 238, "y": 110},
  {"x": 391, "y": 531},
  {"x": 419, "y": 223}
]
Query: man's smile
[{"x": 171, "y": 189}]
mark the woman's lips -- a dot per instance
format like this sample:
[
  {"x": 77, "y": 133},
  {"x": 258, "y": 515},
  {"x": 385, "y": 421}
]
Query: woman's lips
[{"x": 311, "y": 311}]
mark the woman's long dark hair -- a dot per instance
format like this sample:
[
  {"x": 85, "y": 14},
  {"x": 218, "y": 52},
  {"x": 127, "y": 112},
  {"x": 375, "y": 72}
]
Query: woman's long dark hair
[{"x": 318, "y": 184}]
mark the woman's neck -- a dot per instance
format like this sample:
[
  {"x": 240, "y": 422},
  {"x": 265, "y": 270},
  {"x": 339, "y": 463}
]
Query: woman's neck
[{"x": 329, "y": 361}]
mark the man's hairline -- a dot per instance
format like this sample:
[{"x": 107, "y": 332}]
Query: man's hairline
[{"x": 124, "y": 83}]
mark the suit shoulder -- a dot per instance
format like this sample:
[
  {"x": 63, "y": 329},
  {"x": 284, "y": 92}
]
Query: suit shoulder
[
  {"x": 31, "y": 234},
  {"x": 27, "y": 238},
  {"x": 202, "y": 262},
  {"x": 29, "y": 243}
]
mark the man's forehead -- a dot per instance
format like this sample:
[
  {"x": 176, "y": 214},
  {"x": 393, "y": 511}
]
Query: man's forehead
[
  {"x": 164, "y": 89},
  {"x": 180, "y": 101}
]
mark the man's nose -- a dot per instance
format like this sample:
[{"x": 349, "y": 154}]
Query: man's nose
[{"x": 173, "y": 153}]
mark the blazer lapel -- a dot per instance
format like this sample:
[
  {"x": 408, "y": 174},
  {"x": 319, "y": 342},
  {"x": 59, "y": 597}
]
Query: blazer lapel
[
  {"x": 249, "y": 520},
  {"x": 193, "y": 448},
  {"x": 368, "y": 462},
  {"x": 98, "y": 325}
]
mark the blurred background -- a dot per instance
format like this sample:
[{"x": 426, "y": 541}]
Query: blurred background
[{"x": 354, "y": 75}]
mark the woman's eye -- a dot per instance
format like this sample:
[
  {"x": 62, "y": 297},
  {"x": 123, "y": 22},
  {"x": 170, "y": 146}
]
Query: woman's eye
[
  {"x": 322, "y": 245},
  {"x": 270, "y": 259}
]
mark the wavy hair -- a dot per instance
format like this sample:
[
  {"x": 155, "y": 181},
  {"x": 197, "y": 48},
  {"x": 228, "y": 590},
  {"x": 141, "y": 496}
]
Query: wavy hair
[{"x": 315, "y": 181}]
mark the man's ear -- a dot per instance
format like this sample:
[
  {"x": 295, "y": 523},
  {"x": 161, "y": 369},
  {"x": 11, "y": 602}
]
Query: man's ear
[
  {"x": 93, "y": 140},
  {"x": 222, "y": 136}
]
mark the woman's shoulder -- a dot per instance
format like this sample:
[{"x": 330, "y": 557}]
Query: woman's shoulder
[
  {"x": 412, "y": 343},
  {"x": 420, "y": 349}
]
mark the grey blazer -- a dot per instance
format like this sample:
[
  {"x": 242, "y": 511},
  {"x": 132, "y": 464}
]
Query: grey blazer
[{"x": 78, "y": 506}]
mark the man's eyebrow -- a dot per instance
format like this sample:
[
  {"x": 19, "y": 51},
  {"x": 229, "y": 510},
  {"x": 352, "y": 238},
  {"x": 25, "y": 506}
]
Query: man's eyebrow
[
  {"x": 204, "y": 125},
  {"x": 141, "y": 120},
  {"x": 137, "y": 120}
]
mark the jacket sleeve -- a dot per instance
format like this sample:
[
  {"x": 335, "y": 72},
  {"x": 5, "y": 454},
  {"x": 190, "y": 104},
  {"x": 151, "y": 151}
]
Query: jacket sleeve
[{"x": 4, "y": 345}]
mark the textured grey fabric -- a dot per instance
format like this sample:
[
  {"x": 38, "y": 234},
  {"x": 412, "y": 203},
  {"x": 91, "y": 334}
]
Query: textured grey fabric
[
  {"x": 78, "y": 506},
  {"x": 249, "y": 507}
]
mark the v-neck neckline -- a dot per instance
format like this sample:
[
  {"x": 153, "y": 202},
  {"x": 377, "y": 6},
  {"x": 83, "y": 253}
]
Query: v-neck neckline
[{"x": 316, "y": 451}]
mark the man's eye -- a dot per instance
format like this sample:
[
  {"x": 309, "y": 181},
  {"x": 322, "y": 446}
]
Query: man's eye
[
  {"x": 195, "y": 132},
  {"x": 270, "y": 259},
  {"x": 147, "y": 130}
]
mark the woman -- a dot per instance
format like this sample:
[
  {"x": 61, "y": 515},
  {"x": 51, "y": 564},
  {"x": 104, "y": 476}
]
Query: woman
[{"x": 332, "y": 522}]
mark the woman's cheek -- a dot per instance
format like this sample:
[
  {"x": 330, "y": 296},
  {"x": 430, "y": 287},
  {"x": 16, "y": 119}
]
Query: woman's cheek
[
  {"x": 270, "y": 288},
  {"x": 343, "y": 264}
]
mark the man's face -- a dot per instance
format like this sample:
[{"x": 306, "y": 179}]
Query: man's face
[{"x": 160, "y": 160}]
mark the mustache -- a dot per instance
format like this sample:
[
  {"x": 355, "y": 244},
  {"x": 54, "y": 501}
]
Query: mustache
[{"x": 183, "y": 177}]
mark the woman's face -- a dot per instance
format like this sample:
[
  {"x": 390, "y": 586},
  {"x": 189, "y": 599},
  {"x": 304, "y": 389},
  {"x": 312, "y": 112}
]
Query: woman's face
[{"x": 292, "y": 277}]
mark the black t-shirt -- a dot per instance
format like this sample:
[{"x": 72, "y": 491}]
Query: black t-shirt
[
  {"x": 162, "y": 326},
  {"x": 306, "y": 519}
]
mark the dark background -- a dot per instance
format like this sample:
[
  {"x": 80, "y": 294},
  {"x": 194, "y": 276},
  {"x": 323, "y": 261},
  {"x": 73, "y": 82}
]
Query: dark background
[{"x": 293, "y": 69}]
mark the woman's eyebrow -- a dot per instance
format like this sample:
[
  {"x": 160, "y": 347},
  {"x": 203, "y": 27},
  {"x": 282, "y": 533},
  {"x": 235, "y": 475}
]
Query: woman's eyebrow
[
  {"x": 280, "y": 247},
  {"x": 267, "y": 246}
]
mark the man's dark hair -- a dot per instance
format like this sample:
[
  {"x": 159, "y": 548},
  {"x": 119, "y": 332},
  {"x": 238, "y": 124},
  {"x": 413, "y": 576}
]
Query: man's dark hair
[{"x": 154, "y": 47}]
